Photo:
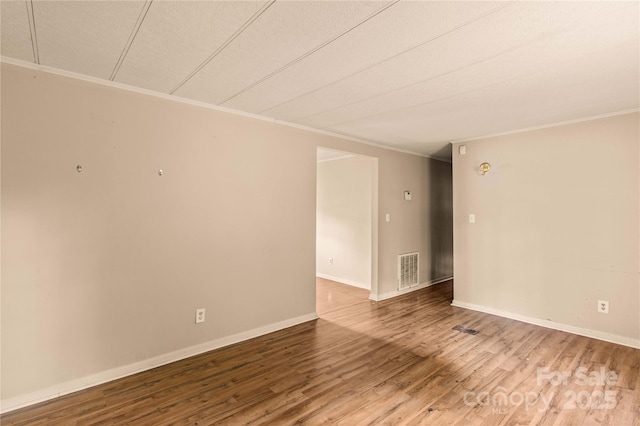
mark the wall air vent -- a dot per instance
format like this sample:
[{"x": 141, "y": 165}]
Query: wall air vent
[{"x": 408, "y": 266}]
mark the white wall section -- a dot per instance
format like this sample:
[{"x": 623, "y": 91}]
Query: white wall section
[{"x": 343, "y": 222}]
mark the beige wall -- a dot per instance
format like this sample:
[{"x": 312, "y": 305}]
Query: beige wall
[
  {"x": 102, "y": 270},
  {"x": 429, "y": 213},
  {"x": 556, "y": 226},
  {"x": 343, "y": 220}
]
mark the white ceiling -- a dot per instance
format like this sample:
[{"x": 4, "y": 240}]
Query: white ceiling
[{"x": 412, "y": 75}]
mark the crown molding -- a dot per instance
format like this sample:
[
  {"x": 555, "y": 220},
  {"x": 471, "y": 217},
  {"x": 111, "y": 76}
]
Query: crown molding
[{"x": 165, "y": 96}]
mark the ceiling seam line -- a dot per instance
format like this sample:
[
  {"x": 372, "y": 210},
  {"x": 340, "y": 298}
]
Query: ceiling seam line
[
  {"x": 132, "y": 37},
  {"x": 391, "y": 57},
  {"x": 230, "y": 40},
  {"x": 395, "y": 110},
  {"x": 311, "y": 52},
  {"x": 497, "y": 55},
  {"x": 32, "y": 29},
  {"x": 432, "y": 101},
  {"x": 490, "y": 58}
]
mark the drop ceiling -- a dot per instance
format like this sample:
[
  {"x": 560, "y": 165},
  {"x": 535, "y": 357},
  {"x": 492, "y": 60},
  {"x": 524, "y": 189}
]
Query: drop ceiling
[{"x": 411, "y": 75}]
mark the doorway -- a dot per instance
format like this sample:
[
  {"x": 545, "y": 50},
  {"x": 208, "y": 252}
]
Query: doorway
[{"x": 346, "y": 218}]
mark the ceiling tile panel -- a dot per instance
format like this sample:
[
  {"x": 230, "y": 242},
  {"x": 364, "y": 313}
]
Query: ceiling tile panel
[
  {"x": 538, "y": 99},
  {"x": 399, "y": 28},
  {"x": 85, "y": 37},
  {"x": 177, "y": 36},
  {"x": 513, "y": 27},
  {"x": 285, "y": 32},
  {"x": 411, "y": 75},
  {"x": 539, "y": 56},
  {"x": 14, "y": 31}
]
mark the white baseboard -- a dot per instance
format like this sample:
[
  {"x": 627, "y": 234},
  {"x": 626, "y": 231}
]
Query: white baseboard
[
  {"x": 395, "y": 293},
  {"x": 58, "y": 390},
  {"x": 343, "y": 281},
  {"x": 594, "y": 334}
]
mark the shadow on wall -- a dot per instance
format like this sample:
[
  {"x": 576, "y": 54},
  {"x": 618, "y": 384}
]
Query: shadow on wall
[{"x": 441, "y": 218}]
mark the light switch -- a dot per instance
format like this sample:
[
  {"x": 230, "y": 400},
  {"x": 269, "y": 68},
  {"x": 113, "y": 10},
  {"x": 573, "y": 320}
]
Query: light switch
[
  {"x": 462, "y": 149},
  {"x": 407, "y": 195},
  {"x": 387, "y": 217},
  {"x": 472, "y": 218}
]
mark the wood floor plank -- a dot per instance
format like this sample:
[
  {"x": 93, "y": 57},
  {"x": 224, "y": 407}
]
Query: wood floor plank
[{"x": 395, "y": 362}]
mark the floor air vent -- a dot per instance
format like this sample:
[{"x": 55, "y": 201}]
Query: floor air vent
[
  {"x": 408, "y": 270},
  {"x": 465, "y": 330}
]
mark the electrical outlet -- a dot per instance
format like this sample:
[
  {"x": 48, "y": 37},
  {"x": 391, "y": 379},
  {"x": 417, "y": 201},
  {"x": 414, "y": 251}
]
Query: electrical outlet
[
  {"x": 603, "y": 306},
  {"x": 199, "y": 315},
  {"x": 331, "y": 261}
]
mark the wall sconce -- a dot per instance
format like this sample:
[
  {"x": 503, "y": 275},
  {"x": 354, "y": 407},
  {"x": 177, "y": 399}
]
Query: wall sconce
[{"x": 484, "y": 168}]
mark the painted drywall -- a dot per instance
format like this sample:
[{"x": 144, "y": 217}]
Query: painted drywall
[
  {"x": 102, "y": 270},
  {"x": 429, "y": 213},
  {"x": 343, "y": 220},
  {"x": 556, "y": 226},
  {"x": 106, "y": 267}
]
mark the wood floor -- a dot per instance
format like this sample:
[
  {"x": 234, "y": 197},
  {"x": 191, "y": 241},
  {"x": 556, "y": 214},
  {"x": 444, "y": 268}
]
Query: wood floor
[{"x": 393, "y": 362}]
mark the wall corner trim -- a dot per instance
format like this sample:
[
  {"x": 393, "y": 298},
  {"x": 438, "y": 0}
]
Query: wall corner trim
[
  {"x": 21, "y": 401},
  {"x": 594, "y": 334}
]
